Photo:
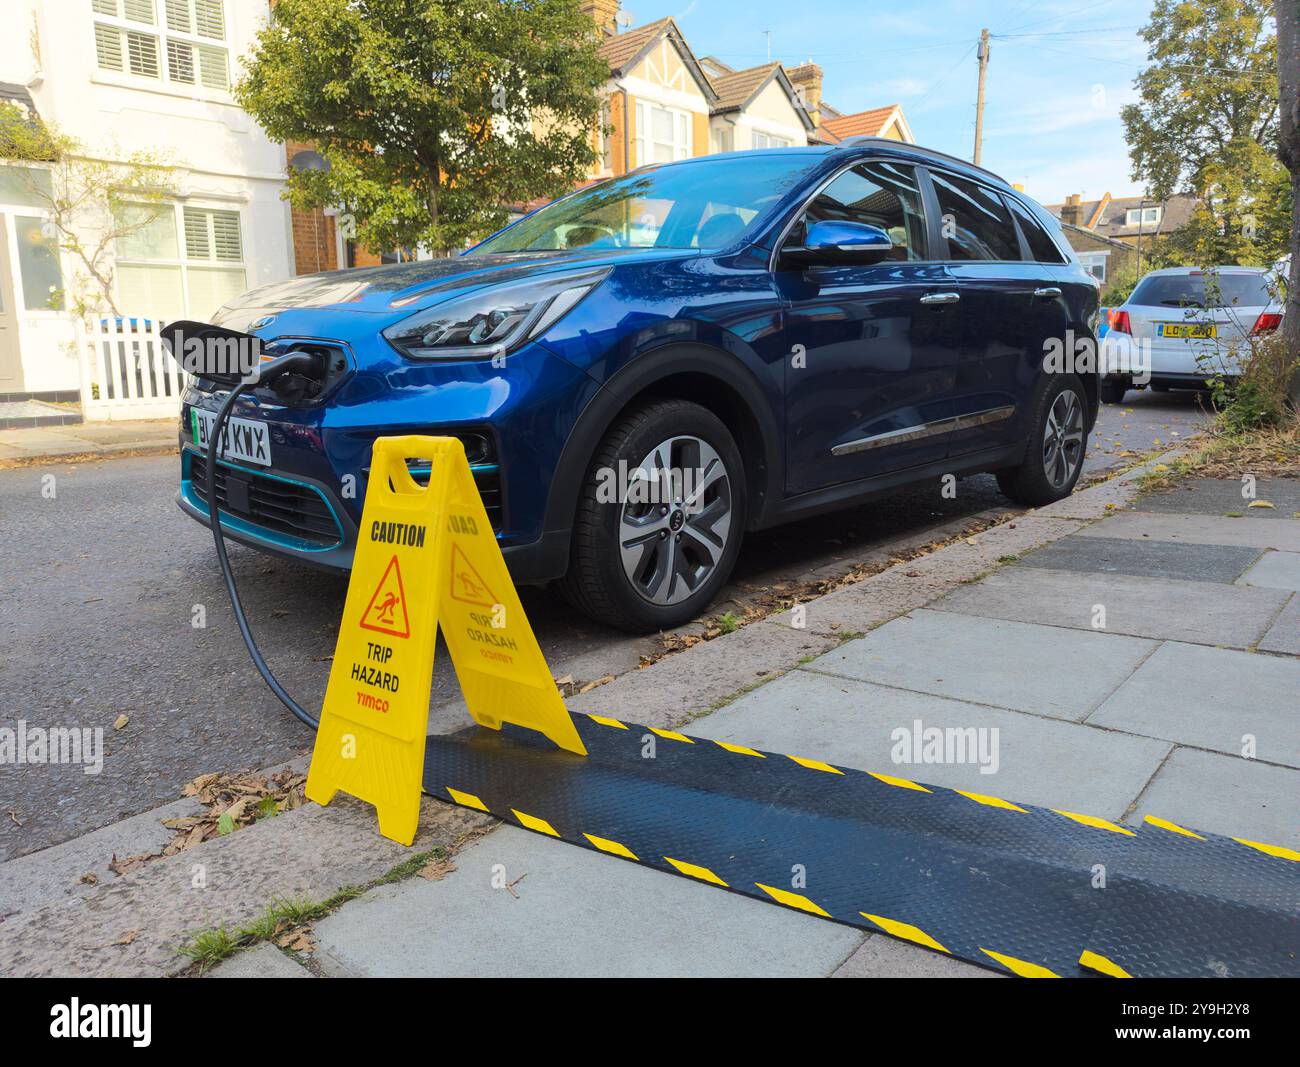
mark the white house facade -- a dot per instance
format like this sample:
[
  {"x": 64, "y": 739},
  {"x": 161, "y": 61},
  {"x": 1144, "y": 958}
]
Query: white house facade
[{"x": 121, "y": 76}]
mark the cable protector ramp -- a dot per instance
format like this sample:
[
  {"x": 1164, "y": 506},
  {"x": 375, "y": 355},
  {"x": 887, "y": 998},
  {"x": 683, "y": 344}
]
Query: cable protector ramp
[{"x": 1032, "y": 891}]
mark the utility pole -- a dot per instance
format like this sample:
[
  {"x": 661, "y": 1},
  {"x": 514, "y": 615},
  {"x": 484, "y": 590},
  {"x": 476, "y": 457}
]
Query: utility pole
[{"x": 983, "y": 54}]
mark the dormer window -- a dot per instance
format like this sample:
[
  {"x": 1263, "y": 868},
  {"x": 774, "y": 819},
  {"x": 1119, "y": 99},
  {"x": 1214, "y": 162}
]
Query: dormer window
[{"x": 1144, "y": 216}]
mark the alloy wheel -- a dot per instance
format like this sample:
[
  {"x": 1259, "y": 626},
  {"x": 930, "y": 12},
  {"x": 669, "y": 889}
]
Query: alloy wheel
[
  {"x": 1063, "y": 439},
  {"x": 675, "y": 520}
]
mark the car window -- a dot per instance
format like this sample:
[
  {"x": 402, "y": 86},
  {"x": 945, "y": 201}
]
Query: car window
[
  {"x": 975, "y": 221},
  {"x": 1200, "y": 289},
  {"x": 885, "y": 195},
  {"x": 1041, "y": 246}
]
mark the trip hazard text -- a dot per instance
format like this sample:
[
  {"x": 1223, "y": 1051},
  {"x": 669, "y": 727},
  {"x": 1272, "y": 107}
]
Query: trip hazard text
[{"x": 376, "y": 676}]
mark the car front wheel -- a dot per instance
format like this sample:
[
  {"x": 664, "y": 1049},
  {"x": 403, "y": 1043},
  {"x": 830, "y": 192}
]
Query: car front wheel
[{"x": 659, "y": 520}]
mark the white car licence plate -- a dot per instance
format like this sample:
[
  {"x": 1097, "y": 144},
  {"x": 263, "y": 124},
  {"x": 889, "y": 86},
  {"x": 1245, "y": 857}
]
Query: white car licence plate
[{"x": 243, "y": 439}]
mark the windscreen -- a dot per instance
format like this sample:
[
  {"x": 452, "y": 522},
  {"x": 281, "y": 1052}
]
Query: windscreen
[{"x": 707, "y": 203}]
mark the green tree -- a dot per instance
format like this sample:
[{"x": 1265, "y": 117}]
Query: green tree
[
  {"x": 432, "y": 114},
  {"x": 1288, "y": 63},
  {"x": 1206, "y": 122},
  {"x": 91, "y": 198}
]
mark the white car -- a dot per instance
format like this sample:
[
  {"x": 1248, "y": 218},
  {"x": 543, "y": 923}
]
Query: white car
[{"x": 1182, "y": 325}]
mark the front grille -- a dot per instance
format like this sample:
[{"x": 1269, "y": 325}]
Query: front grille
[
  {"x": 487, "y": 479},
  {"x": 285, "y": 508}
]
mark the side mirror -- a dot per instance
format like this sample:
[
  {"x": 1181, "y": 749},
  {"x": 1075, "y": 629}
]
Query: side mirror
[{"x": 835, "y": 241}]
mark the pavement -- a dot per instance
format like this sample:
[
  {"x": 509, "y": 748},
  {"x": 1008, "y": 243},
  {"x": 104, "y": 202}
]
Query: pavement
[
  {"x": 1134, "y": 654},
  {"x": 1181, "y": 702},
  {"x": 30, "y": 444}
]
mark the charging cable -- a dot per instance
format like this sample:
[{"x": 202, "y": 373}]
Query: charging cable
[{"x": 293, "y": 362}]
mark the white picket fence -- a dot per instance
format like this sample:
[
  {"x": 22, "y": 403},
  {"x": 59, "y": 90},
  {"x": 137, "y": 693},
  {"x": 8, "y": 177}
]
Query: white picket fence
[{"x": 126, "y": 373}]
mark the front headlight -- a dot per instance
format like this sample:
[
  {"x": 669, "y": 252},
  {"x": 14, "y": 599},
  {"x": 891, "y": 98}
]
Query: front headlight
[{"x": 493, "y": 322}]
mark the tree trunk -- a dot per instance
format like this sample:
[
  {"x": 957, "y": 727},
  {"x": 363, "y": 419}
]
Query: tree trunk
[{"x": 1288, "y": 84}]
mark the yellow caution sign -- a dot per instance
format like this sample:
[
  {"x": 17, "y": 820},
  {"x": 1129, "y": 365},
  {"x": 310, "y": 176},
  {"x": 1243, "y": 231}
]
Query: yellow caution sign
[{"x": 426, "y": 557}]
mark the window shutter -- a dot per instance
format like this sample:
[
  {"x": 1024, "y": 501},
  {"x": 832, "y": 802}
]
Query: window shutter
[
  {"x": 225, "y": 234},
  {"x": 210, "y": 17},
  {"x": 212, "y": 67},
  {"x": 196, "y": 234},
  {"x": 180, "y": 62},
  {"x": 108, "y": 48},
  {"x": 178, "y": 16},
  {"x": 138, "y": 10},
  {"x": 142, "y": 54},
  {"x": 104, "y": 7}
]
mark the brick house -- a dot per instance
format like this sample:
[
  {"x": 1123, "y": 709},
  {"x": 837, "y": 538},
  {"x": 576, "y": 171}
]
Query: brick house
[{"x": 1100, "y": 230}]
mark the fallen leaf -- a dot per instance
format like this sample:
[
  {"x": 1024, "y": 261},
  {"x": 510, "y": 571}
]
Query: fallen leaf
[
  {"x": 199, "y": 783},
  {"x": 120, "y": 722},
  {"x": 89, "y": 878},
  {"x": 129, "y": 863},
  {"x": 298, "y": 940},
  {"x": 437, "y": 868},
  {"x": 127, "y": 937},
  {"x": 1259, "y": 504},
  {"x": 598, "y": 682}
]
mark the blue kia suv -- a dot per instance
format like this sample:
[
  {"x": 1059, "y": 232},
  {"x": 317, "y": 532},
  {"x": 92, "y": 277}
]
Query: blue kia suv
[{"x": 644, "y": 370}]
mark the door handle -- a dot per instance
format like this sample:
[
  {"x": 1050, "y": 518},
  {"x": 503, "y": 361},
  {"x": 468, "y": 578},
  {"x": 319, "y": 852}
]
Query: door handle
[
  {"x": 1050, "y": 291},
  {"x": 940, "y": 298}
]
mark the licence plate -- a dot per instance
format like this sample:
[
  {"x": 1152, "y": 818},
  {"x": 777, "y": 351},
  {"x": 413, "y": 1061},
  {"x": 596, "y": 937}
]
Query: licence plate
[
  {"x": 244, "y": 439},
  {"x": 1178, "y": 329}
]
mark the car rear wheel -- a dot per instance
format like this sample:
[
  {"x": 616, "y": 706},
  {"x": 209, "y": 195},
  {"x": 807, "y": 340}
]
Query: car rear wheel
[
  {"x": 659, "y": 520},
  {"x": 1054, "y": 452}
]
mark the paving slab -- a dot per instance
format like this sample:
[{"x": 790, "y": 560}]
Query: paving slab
[
  {"x": 260, "y": 961},
  {"x": 1275, "y": 570},
  {"x": 1155, "y": 559},
  {"x": 1162, "y": 608},
  {"x": 885, "y": 957},
  {"x": 1199, "y": 530},
  {"x": 1212, "y": 698},
  {"x": 852, "y": 724},
  {"x": 1046, "y": 670},
  {"x": 1226, "y": 795},
  {"x": 1219, "y": 496},
  {"x": 1284, "y": 634},
  {"x": 634, "y": 922}
]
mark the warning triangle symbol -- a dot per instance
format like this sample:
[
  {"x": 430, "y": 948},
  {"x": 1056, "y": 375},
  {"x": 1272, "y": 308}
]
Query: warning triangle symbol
[
  {"x": 386, "y": 611},
  {"x": 467, "y": 585}
]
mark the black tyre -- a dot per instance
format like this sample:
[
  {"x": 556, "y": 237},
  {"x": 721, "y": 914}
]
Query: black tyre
[
  {"x": 1057, "y": 442},
  {"x": 653, "y": 553},
  {"x": 1113, "y": 390}
]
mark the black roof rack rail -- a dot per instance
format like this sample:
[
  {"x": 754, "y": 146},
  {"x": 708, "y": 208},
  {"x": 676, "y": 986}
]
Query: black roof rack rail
[{"x": 863, "y": 139}]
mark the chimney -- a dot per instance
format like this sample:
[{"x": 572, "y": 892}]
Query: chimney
[
  {"x": 1072, "y": 211},
  {"x": 807, "y": 82},
  {"x": 604, "y": 13}
]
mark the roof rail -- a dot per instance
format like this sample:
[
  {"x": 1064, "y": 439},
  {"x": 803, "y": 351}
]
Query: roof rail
[{"x": 865, "y": 139}]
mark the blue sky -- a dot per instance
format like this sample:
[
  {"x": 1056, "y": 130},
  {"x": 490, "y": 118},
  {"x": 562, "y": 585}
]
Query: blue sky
[{"x": 1056, "y": 80}]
